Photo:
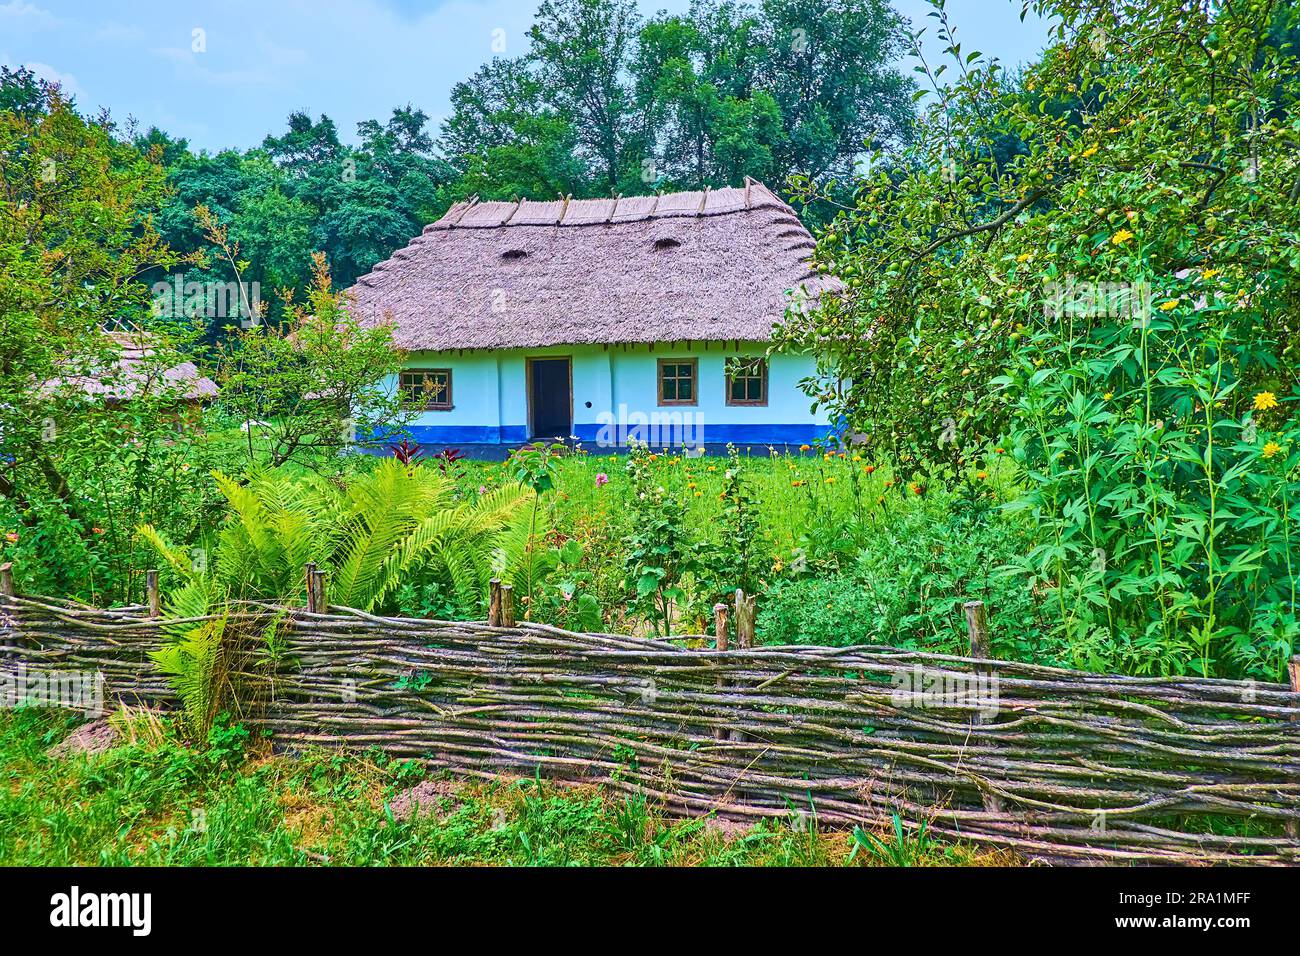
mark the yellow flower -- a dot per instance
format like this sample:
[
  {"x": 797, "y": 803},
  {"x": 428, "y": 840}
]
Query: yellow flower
[
  {"x": 1108, "y": 396},
  {"x": 1209, "y": 273},
  {"x": 1023, "y": 257},
  {"x": 830, "y": 480},
  {"x": 1090, "y": 151},
  {"x": 698, "y": 494},
  {"x": 1121, "y": 237},
  {"x": 1264, "y": 401},
  {"x": 1271, "y": 449},
  {"x": 1170, "y": 304}
]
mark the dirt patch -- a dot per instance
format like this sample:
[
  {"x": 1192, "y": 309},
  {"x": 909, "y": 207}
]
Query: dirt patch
[
  {"x": 726, "y": 828},
  {"x": 92, "y": 738},
  {"x": 424, "y": 799}
]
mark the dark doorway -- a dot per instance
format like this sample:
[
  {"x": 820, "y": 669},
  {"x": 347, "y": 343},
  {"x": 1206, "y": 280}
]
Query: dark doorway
[{"x": 550, "y": 398}]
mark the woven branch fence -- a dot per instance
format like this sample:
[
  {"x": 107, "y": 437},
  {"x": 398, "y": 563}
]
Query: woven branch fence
[{"x": 1059, "y": 765}]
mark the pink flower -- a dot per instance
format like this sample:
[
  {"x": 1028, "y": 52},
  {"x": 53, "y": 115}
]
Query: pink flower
[
  {"x": 602, "y": 479},
  {"x": 482, "y": 489}
]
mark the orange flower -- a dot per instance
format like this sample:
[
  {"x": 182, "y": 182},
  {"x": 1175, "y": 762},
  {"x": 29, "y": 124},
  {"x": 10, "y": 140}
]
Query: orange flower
[
  {"x": 97, "y": 530},
  {"x": 982, "y": 475},
  {"x": 869, "y": 469},
  {"x": 805, "y": 447},
  {"x": 917, "y": 488}
]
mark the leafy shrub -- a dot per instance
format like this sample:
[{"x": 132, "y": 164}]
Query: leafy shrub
[{"x": 907, "y": 585}]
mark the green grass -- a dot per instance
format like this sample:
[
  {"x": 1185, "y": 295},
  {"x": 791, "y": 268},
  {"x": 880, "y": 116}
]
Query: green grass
[{"x": 156, "y": 802}]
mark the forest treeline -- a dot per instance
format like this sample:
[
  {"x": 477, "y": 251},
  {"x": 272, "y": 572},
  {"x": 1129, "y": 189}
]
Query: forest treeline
[{"x": 604, "y": 101}]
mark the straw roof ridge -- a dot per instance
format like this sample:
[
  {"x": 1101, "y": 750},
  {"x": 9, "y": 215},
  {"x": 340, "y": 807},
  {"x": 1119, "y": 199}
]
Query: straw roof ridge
[{"x": 699, "y": 265}]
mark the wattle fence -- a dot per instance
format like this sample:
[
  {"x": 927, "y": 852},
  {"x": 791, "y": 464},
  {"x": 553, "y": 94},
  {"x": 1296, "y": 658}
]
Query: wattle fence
[{"x": 1059, "y": 765}]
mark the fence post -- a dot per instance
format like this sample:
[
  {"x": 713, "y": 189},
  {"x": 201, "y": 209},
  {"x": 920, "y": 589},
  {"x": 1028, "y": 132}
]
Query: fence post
[
  {"x": 154, "y": 595},
  {"x": 745, "y": 614},
  {"x": 507, "y": 606},
  {"x": 309, "y": 571},
  {"x": 720, "y": 625},
  {"x": 494, "y": 602},
  {"x": 977, "y": 627},
  {"x": 7, "y": 594},
  {"x": 720, "y": 634},
  {"x": 318, "y": 592}
]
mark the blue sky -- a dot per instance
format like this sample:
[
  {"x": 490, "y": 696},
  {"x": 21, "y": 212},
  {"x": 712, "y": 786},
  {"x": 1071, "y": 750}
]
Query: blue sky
[{"x": 351, "y": 59}]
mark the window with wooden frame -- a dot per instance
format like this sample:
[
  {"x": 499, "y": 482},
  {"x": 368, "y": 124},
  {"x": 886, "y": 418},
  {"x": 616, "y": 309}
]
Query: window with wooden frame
[
  {"x": 678, "y": 381},
  {"x": 429, "y": 388},
  {"x": 746, "y": 381}
]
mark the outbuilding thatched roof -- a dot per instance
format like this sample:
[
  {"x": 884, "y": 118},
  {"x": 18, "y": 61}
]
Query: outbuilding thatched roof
[
  {"x": 136, "y": 370},
  {"x": 711, "y": 265}
]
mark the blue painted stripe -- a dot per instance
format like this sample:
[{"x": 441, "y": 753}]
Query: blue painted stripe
[
  {"x": 457, "y": 434},
  {"x": 594, "y": 435},
  {"x": 764, "y": 433}
]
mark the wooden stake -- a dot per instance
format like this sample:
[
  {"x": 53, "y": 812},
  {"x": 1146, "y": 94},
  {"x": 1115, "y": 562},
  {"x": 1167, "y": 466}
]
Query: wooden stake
[
  {"x": 745, "y": 614},
  {"x": 978, "y": 628},
  {"x": 7, "y": 579},
  {"x": 155, "y": 597},
  {"x": 309, "y": 570},
  {"x": 507, "y": 606},
  {"x": 720, "y": 637},
  {"x": 318, "y": 592},
  {"x": 494, "y": 602}
]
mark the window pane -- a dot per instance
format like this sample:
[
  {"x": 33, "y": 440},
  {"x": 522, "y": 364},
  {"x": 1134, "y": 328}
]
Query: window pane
[
  {"x": 684, "y": 390},
  {"x": 755, "y": 391},
  {"x": 670, "y": 389}
]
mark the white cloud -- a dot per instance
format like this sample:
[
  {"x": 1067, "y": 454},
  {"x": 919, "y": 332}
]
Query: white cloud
[{"x": 67, "y": 82}]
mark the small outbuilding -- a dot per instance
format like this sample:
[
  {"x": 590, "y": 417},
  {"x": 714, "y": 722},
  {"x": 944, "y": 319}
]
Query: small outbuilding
[{"x": 603, "y": 321}]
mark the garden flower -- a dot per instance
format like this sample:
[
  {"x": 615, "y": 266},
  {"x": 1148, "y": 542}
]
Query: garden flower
[
  {"x": 1271, "y": 449},
  {"x": 1264, "y": 401},
  {"x": 869, "y": 469},
  {"x": 482, "y": 489},
  {"x": 601, "y": 479},
  {"x": 1169, "y": 304},
  {"x": 97, "y": 530},
  {"x": 12, "y": 537},
  {"x": 1121, "y": 237},
  {"x": 981, "y": 475},
  {"x": 805, "y": 447}
]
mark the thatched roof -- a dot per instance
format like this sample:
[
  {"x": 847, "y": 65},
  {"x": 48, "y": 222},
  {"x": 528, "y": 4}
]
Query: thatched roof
[
  {"x": 712, "y": 265},
  {"x": 135, "y": 369}
]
